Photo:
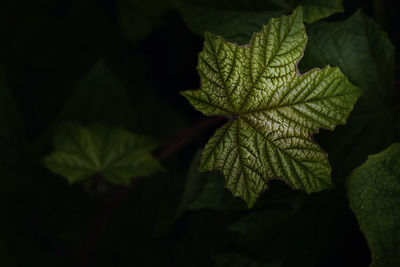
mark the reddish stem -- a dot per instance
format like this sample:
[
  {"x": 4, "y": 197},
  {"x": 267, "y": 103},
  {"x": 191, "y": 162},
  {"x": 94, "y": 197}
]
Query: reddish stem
[{"x": 164, "y": 150}]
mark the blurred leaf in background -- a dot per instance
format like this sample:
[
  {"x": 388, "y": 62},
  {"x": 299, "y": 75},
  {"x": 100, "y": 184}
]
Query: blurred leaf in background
[
  {"x": 237, "y": 20},
  {"x": 113, "y": 154},
  {"x": 374, "y": 194}
]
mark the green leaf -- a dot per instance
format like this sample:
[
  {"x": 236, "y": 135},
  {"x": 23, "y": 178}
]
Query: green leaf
[
  {"x": 374, "y": 193},
  {"x": 237, "y": 20},
  {"x": 366, "y": 56},
  {"x": 316, "y": 9},
  {"x": 114, "y": 153},
  {"x": 272, "y": 109}
]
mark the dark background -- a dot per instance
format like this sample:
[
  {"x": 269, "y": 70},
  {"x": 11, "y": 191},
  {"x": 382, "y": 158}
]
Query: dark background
[{"x": 76, "y": 60}]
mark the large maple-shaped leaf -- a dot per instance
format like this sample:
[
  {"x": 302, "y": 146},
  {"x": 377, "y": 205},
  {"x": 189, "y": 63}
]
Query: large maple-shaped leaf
[
  {"x": 113, "y": 153},
  {"x": 273, "y": 110}
]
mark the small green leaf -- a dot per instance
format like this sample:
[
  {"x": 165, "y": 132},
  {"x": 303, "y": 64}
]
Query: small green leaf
[
  {"x": 273, "y": 110},
  {"x": 114, "y": 153},
  {"x": 237, "y": 20},
  {"x": 374, "y": 193}
]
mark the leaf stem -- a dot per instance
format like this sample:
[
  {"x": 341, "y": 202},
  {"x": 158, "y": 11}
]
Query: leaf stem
[{"x": 163, "y": 151}]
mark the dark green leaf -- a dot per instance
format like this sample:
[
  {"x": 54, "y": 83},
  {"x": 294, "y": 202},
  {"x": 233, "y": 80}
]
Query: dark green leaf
[
  {"x": 237, "y": 20},
  {"x": 318, "y": 9},
  {"x": 374, "y": 193}
]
